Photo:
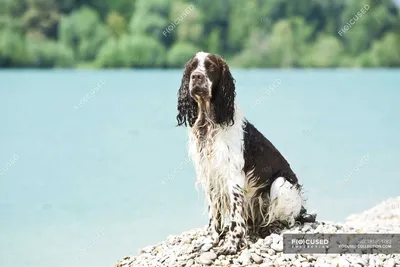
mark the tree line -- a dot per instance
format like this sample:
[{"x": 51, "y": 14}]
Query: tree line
[{"x": 166, "y": 33}]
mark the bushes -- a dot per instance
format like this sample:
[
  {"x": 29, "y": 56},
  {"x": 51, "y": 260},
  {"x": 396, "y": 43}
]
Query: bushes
[
  {"x": 84, "y": 33},
  {"x": 12, "y": 50},
  {"x": 128, "y": 51},
  {"x": 48, "y": 54},
  {"x": 164, "y": 33},
  {"x": 180, "y": 53}
]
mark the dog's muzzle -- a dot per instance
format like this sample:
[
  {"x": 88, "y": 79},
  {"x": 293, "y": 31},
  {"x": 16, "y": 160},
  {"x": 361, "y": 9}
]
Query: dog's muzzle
[{"x": 198, "y": 85}]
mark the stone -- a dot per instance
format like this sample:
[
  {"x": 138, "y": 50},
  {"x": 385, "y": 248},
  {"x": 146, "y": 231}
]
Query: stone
[
  {"x": 186, "y": 240},
  {"x": 278, "y": 247},
  {"x": 340, "y": 262},
  {"x": 244, "y": 257},
  {"x": 225, "y": 262},
  {"x": 271, "y": 251},
  {"x": 207, "y": 258},
  {"x": 267, "y": 243},
  {"x": 390, "y": 263},
  {"x": 276, "y": 238},
  {"x": 189, "y": 263},
  {"x": 257, "y": 259},
  {"x": 206, "y": 247}
]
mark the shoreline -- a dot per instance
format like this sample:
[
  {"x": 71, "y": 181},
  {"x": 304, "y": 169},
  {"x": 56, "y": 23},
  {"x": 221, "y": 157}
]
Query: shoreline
[{"x": 193, "y": 249}]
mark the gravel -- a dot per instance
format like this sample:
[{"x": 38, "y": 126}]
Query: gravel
[{"x": 193, "y": 248}]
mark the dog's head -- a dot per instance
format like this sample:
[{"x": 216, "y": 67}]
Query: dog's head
[{"x": 207, "y": 86}]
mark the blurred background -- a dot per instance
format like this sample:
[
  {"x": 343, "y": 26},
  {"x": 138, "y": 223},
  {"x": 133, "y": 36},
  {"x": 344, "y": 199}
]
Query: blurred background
[
  {"x": 92, "y": 167},
  {"x": 164, "y": 34}
]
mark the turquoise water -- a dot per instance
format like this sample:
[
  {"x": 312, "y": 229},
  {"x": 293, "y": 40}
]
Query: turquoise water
[{"x": 81, "y": 179}]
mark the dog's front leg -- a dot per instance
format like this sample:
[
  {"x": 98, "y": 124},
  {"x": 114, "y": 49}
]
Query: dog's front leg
[
  {"x": 236, "y": 236},
  {"x": 214, "y": 226}
]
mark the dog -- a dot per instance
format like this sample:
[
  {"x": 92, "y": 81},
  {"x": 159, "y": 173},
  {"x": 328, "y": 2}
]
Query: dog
[{"x": 247, "y": 182}]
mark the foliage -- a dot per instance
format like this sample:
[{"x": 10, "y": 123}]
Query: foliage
[
  {"x": 83, "y": 32},
  {"x": 166, "y": 33},
  {"x": 179, "y": 54},
  {"x": 128, "y": 51},
  {"x": 48, "y": 54}
]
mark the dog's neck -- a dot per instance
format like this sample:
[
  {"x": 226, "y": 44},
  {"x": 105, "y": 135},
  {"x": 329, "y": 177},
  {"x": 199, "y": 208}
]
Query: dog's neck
[{"x": 204, "y": 127}]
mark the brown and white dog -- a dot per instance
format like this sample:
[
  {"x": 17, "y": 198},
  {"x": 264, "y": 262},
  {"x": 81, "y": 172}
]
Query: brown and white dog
[{"x": 247, "y": 182}]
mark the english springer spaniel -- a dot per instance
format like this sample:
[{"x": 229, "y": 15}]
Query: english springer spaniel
[{"x": 247, "y": 182}]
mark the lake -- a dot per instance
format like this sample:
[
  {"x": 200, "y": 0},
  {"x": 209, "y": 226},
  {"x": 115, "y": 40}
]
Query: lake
[{"x": 83, "y": 154}]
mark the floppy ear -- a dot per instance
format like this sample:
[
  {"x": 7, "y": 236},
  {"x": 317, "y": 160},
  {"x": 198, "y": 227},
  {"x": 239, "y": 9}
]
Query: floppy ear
[
  {"x": 224, "y": 97},
  {"x": 187, "y": 107}
]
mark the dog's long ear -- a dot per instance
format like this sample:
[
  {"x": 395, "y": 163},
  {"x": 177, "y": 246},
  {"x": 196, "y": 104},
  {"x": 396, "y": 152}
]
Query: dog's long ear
[
  {"x": 224, "y": 97},
  {"x": 187, "y": 107}
]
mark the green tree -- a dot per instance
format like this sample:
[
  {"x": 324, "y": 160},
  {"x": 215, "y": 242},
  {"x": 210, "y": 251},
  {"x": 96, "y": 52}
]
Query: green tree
[
  {"x": 12, "y": 49},
  {"x": 83, "y": 32},
  {"x": 116, "y": 24},
  {"x": 150, "y": 18},
  {"x": 41, "y": 19},
  {"x": 48, "y": 54},
  {"x": 384, "y": 52},
  {"x": 187, "y": 19},
  {"x": 324, "y": 53},
  {"x": 132, "y": 51},
  {"x": 180, "y": 53}
]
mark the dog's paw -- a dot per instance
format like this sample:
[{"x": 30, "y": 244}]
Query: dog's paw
[
  {"x": 232, "y": 246},
  {"x": 214, "y": 236},
  {"x": 228, "y": 249}
]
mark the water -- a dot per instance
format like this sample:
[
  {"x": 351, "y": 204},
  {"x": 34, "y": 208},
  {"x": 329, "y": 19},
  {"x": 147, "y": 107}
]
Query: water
[{"x": 86, "y": 186}]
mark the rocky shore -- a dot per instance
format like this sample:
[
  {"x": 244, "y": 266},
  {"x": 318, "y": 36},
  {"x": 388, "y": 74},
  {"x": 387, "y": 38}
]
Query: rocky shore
[{"x": 193, "y": 248}]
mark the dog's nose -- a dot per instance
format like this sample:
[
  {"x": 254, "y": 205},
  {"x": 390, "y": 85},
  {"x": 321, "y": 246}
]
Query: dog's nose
[{"x": 197, "y": 76}]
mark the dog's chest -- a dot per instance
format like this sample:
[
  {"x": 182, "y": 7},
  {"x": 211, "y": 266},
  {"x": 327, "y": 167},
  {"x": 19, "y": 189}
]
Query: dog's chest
[{"x": 219, "y": 154}]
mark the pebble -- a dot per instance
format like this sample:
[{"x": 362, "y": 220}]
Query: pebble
[
  {"x": 278, "y": 247},
  {"x": 390, "y": 263},
  {"x": 186, "y": 240},
  {"x": 206, "y": 247},
  {"x": 189, "y": 263},
  {"x": 271, "y": 251},
  {"x": 267, "y": 242},
  {"x": 207, "y": 258},
  {"x": 194, "y": 249},
  {"x": 257, "y": 259},
  {"x": 244, "y": 258}
]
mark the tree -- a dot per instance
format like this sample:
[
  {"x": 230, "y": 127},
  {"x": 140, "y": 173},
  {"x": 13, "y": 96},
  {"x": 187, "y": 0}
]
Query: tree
[
  {"x": 48, "y": 54},
  {"x": 132, "y": 51},
  {"x": 116, "y": 24},
  {"x": 41, "y": 19},
  {"x": 324, "y": 53},
  {"x": 150, "y": 18},
  {"x": 288, "y": 42},
  {"x": 385, "y": 52},
  {"x": 12, "y": 49},
  {"x": 180, "y": 53},
  {"x": 83, "y": 32}
]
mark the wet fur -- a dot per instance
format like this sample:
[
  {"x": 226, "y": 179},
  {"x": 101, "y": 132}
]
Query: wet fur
[{"x": 248, "y": 184}]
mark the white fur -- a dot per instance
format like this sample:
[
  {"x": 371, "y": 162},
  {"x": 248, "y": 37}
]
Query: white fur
[
  {"x": 201, "y": 67},
  {"x": 285, "y": 201},
  {"x": 220, "y": 164},
  {"x": 201, "y": 57}
]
